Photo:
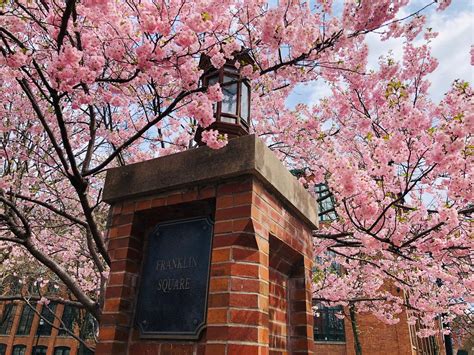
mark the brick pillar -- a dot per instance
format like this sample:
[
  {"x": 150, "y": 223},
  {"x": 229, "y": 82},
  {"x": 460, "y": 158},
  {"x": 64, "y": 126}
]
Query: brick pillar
[
  {"x": 124, "y": 249},
  {"x": 238, "y": 296},
  {"x": 259, "y": 295}
]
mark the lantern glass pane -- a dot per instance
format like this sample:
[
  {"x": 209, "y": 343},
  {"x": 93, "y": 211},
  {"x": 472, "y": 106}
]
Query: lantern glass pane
[
  {"x": 231, "y": 69},
  {"x": 229, "y": 103},
  {"x": 245, "y": 103},
  {"x": 211, "y": 81},
  {"x": 228, "y": 119},
  {"x": 228, "y": 78}
]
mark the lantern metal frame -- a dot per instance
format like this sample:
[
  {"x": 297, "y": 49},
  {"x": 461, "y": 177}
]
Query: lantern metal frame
[{"x": 234, "y": 124}]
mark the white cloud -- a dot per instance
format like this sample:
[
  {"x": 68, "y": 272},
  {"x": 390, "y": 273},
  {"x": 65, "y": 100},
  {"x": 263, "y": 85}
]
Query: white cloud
[
  {"x": 452, "y": 46},
  {"x": 452, "y": 49},
  {"x": 309, "y": 93}
]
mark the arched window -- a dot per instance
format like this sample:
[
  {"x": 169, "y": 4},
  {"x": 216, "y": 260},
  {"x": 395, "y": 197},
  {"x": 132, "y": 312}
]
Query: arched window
[
  {"x": 19, "y": 350},
  {"x": 62, "y": 350},
  {"x": 39, "y": 350}
]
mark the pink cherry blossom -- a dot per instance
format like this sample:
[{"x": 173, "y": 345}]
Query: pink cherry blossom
[
  {"x": 214, "y": 139},
  {"x": 114, "y": 84}
]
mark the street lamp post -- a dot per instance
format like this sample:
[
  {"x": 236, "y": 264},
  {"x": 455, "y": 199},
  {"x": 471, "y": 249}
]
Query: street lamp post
[{"x": 38, "y": 333}]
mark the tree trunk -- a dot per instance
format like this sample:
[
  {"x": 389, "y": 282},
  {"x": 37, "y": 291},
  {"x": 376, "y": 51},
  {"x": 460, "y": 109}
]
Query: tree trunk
[
  {"x": 448, "y": 344},
  {"x": 355, "y": 331}
]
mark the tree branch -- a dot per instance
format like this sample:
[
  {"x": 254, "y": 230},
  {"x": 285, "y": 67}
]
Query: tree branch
[
  {"x": 64, "y": 22},
  {"x": 144, "y": 129}
]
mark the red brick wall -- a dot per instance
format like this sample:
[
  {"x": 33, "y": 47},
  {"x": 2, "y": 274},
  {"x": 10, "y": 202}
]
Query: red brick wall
[
  {"x": 330, "y": 348},
  {"x": 278, "y": 311},
  {"x": 375, "y": 337},
  {"x": 238, "y": 320}
]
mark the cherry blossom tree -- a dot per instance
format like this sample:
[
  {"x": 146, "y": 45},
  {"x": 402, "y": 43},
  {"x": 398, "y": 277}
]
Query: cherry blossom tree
[
  {"x": 92, "y": 84},
  {"x": 463, "y": 328},
  {"x": 398, "y": 168}
]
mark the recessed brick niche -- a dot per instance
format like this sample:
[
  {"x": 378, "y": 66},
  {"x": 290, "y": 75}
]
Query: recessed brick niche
[{"x": 259, "y": 293}]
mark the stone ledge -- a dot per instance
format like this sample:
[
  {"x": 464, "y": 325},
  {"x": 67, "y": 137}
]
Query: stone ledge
[{"x": 247, "y": 155}]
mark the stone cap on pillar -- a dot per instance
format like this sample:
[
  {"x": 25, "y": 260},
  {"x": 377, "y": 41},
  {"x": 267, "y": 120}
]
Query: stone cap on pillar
[{"x": 246, "y": 155}]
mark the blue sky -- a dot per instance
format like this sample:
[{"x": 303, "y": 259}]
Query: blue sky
[{"x": 452, "y": 48}]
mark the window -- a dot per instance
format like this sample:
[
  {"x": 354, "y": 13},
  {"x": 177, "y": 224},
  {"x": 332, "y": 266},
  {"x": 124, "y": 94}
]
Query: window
[
  {"x": 88, "y": 326},
  {"x": 52, "y": 289},
  {"x": 47, "y": 317},
  {"x": 3, "y": 349},
  {"x": 62, "y": 350},
  {"x": 6, "y": 318},
  {"x": 425, "y": 346},
  {"x": 84, "y": 351},
  {"x": 327, "y": 326},
  {"x": 39, "y": 350},
  {"x": 11, "y": 286},
  {"x": 326, "y": 203},
  {"x": 334, "y": 268},
  {"x": 16, "y": 286},
  {"x": 69, "y": 319},
  {"x": 33, "y": 288},
  {"x": 19, "y": 350},
  {"x": 26, "y": 319}
]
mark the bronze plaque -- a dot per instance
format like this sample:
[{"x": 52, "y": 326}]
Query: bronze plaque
[{"x": 172, "y": 299}]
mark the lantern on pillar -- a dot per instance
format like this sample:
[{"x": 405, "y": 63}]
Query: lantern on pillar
[{"x": 232, "y": 114}]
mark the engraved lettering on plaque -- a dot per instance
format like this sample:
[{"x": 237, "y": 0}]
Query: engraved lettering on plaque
[{"x": 172, "y": 300}]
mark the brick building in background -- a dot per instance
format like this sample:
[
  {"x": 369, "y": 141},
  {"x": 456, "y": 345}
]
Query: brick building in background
[
  {"x": 32, "y": 328},
  {"x": 334, "y": 336},
  {"x": 22, "y": 332}
]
